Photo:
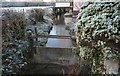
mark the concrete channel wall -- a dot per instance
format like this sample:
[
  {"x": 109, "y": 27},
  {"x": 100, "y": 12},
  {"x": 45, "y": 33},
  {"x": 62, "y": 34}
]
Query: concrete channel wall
[
  {"x": 66, "y": 57},
  {"x": 24, "y": 4},
  {"x": 63, "y": 56}
]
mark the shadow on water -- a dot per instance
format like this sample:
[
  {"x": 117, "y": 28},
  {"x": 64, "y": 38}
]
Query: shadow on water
[
  {"x": 46, "y": 68},
  {"x": 60, "y": 19}
]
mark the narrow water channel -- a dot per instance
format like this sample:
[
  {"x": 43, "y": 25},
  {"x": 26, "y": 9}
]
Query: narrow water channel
[{"x": 59, "y": 43}]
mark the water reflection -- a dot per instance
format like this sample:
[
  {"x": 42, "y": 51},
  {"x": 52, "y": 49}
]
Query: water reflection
[
  {"x": 53, "y": 32},
  {"x": 58, "y": 43}
]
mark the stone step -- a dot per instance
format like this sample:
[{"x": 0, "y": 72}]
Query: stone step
[{"x": 62, "y": 56}]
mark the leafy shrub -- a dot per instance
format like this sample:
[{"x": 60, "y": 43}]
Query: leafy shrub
[
  {"x": 36, "y": 15},
  {"x": 15, "y": 47},
  {"x": 98, "y": 33}
]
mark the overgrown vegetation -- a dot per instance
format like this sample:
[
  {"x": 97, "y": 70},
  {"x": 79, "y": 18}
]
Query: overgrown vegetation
[
  {"x": 40, "y": 24},
  {"x": 98, "y": 33},
  {"x": 17, "y": 42},
  {"x": 14, "y": 45}
]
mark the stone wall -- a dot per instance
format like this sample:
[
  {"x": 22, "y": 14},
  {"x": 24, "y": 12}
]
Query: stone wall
[
  {"x": 23, "y": 4},
  {"x": 63, "y": 56}
]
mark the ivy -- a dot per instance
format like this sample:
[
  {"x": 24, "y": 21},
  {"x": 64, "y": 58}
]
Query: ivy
[{"x": 98, "y": 34}]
